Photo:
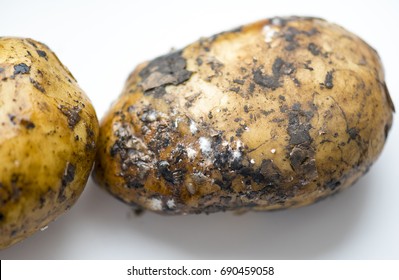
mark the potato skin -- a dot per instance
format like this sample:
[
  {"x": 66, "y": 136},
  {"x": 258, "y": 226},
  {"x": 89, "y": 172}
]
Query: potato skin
[
  {"x": 276, "y": 114},
  {"x": 48, "y": 138}
]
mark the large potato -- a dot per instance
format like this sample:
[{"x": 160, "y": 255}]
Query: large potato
[
  {"x": 48, "y": 134},
  {"x": 276, "y": 114}
]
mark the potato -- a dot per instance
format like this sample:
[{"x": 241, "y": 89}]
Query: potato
[
  {"x": 276, "y": 114},
  {"x": 48, "y": 138}
]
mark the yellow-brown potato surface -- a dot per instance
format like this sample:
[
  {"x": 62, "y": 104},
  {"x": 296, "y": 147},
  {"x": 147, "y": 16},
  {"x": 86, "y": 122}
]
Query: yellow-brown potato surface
[
  {"x": 48, "y": 133},
  {"x": 276, "y": 114}
]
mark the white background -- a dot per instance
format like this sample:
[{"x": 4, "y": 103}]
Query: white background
[{"x": 102, "y": 41}]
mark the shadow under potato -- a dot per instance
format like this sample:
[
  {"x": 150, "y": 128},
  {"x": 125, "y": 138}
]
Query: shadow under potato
[
  {"x": 304, "y": 233},
  {"x": 100, "y": 224}
]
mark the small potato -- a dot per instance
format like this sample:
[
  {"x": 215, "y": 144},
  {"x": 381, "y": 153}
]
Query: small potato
[
  {"x": 48, "y": 134},
  {"x": 276, "y": 114}
]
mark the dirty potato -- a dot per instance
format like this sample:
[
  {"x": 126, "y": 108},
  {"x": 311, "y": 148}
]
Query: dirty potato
[
  {"x": 276, "y": 114},
  {"x": 48, "y": 133}
]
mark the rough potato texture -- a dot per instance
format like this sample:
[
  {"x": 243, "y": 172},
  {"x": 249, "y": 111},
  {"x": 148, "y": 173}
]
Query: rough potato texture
[
  {"x": 48, "y": 134},
  {"x": 276, "y": 114}
]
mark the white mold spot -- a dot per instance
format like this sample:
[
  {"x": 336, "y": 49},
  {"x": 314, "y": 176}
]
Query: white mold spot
[
  {"x": 121, "y": 130},
  {"x": 269, "y": 33},
  {"x": 236, "y": 154},
  {"x": 152, "y": 116},
  {"x": 171, "y": 204},
  {"x": 177, "y": 121},
  {"x": 155, "y": 204},
  {"x": 237, "y": 151},
  {"x": 205, "y": 145},
  {"x": 238, "y": 144},
  {"x": 193, "y": 127},
  {"x": 191, "y": 153}
]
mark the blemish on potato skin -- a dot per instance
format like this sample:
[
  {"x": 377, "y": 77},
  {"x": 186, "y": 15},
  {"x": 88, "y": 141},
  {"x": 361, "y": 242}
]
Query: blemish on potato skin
[
  {"x": 290, "y": 33},
  {"x": 279, "y": 68},
  {"x": 301, "y": 150},
  {"x": 328, "y": 81},
  {"x": 166, "y": 70},
  {"x": 251, "y": 88},
  {"x": 133, "y": 183},
  {"x": 239, "y": 81},
  {"x": 307, "y": 65},
  {"x": 42, "y": 54},
  {"x": 163, "y": 170},
  {"x": 297, "y": 130},
  {"x": 266, "y": 113},
  {"x": 37, "y": 85},
  {"x": 72, "y": 115},
  {"x": 21, "y": 68},
  {"x": 67, "y": 178},
  {"x": 12, "y": 118},
  {"x": 42, "y": 201},
  {"x": 27, "y": 124},
  {"x": 16, "y": 190},
  {"x": 239, "y": 132},
  {"x": 353, "y": 133},
  {"x": 333, "y": 184},
  {"x": 199, "y": 61},
  {"x": 235, "y": 89},
  {"x": 314, "y": 49},
  {"x": 90, "y": 139},
  {"x": 224, "y": 158}
]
